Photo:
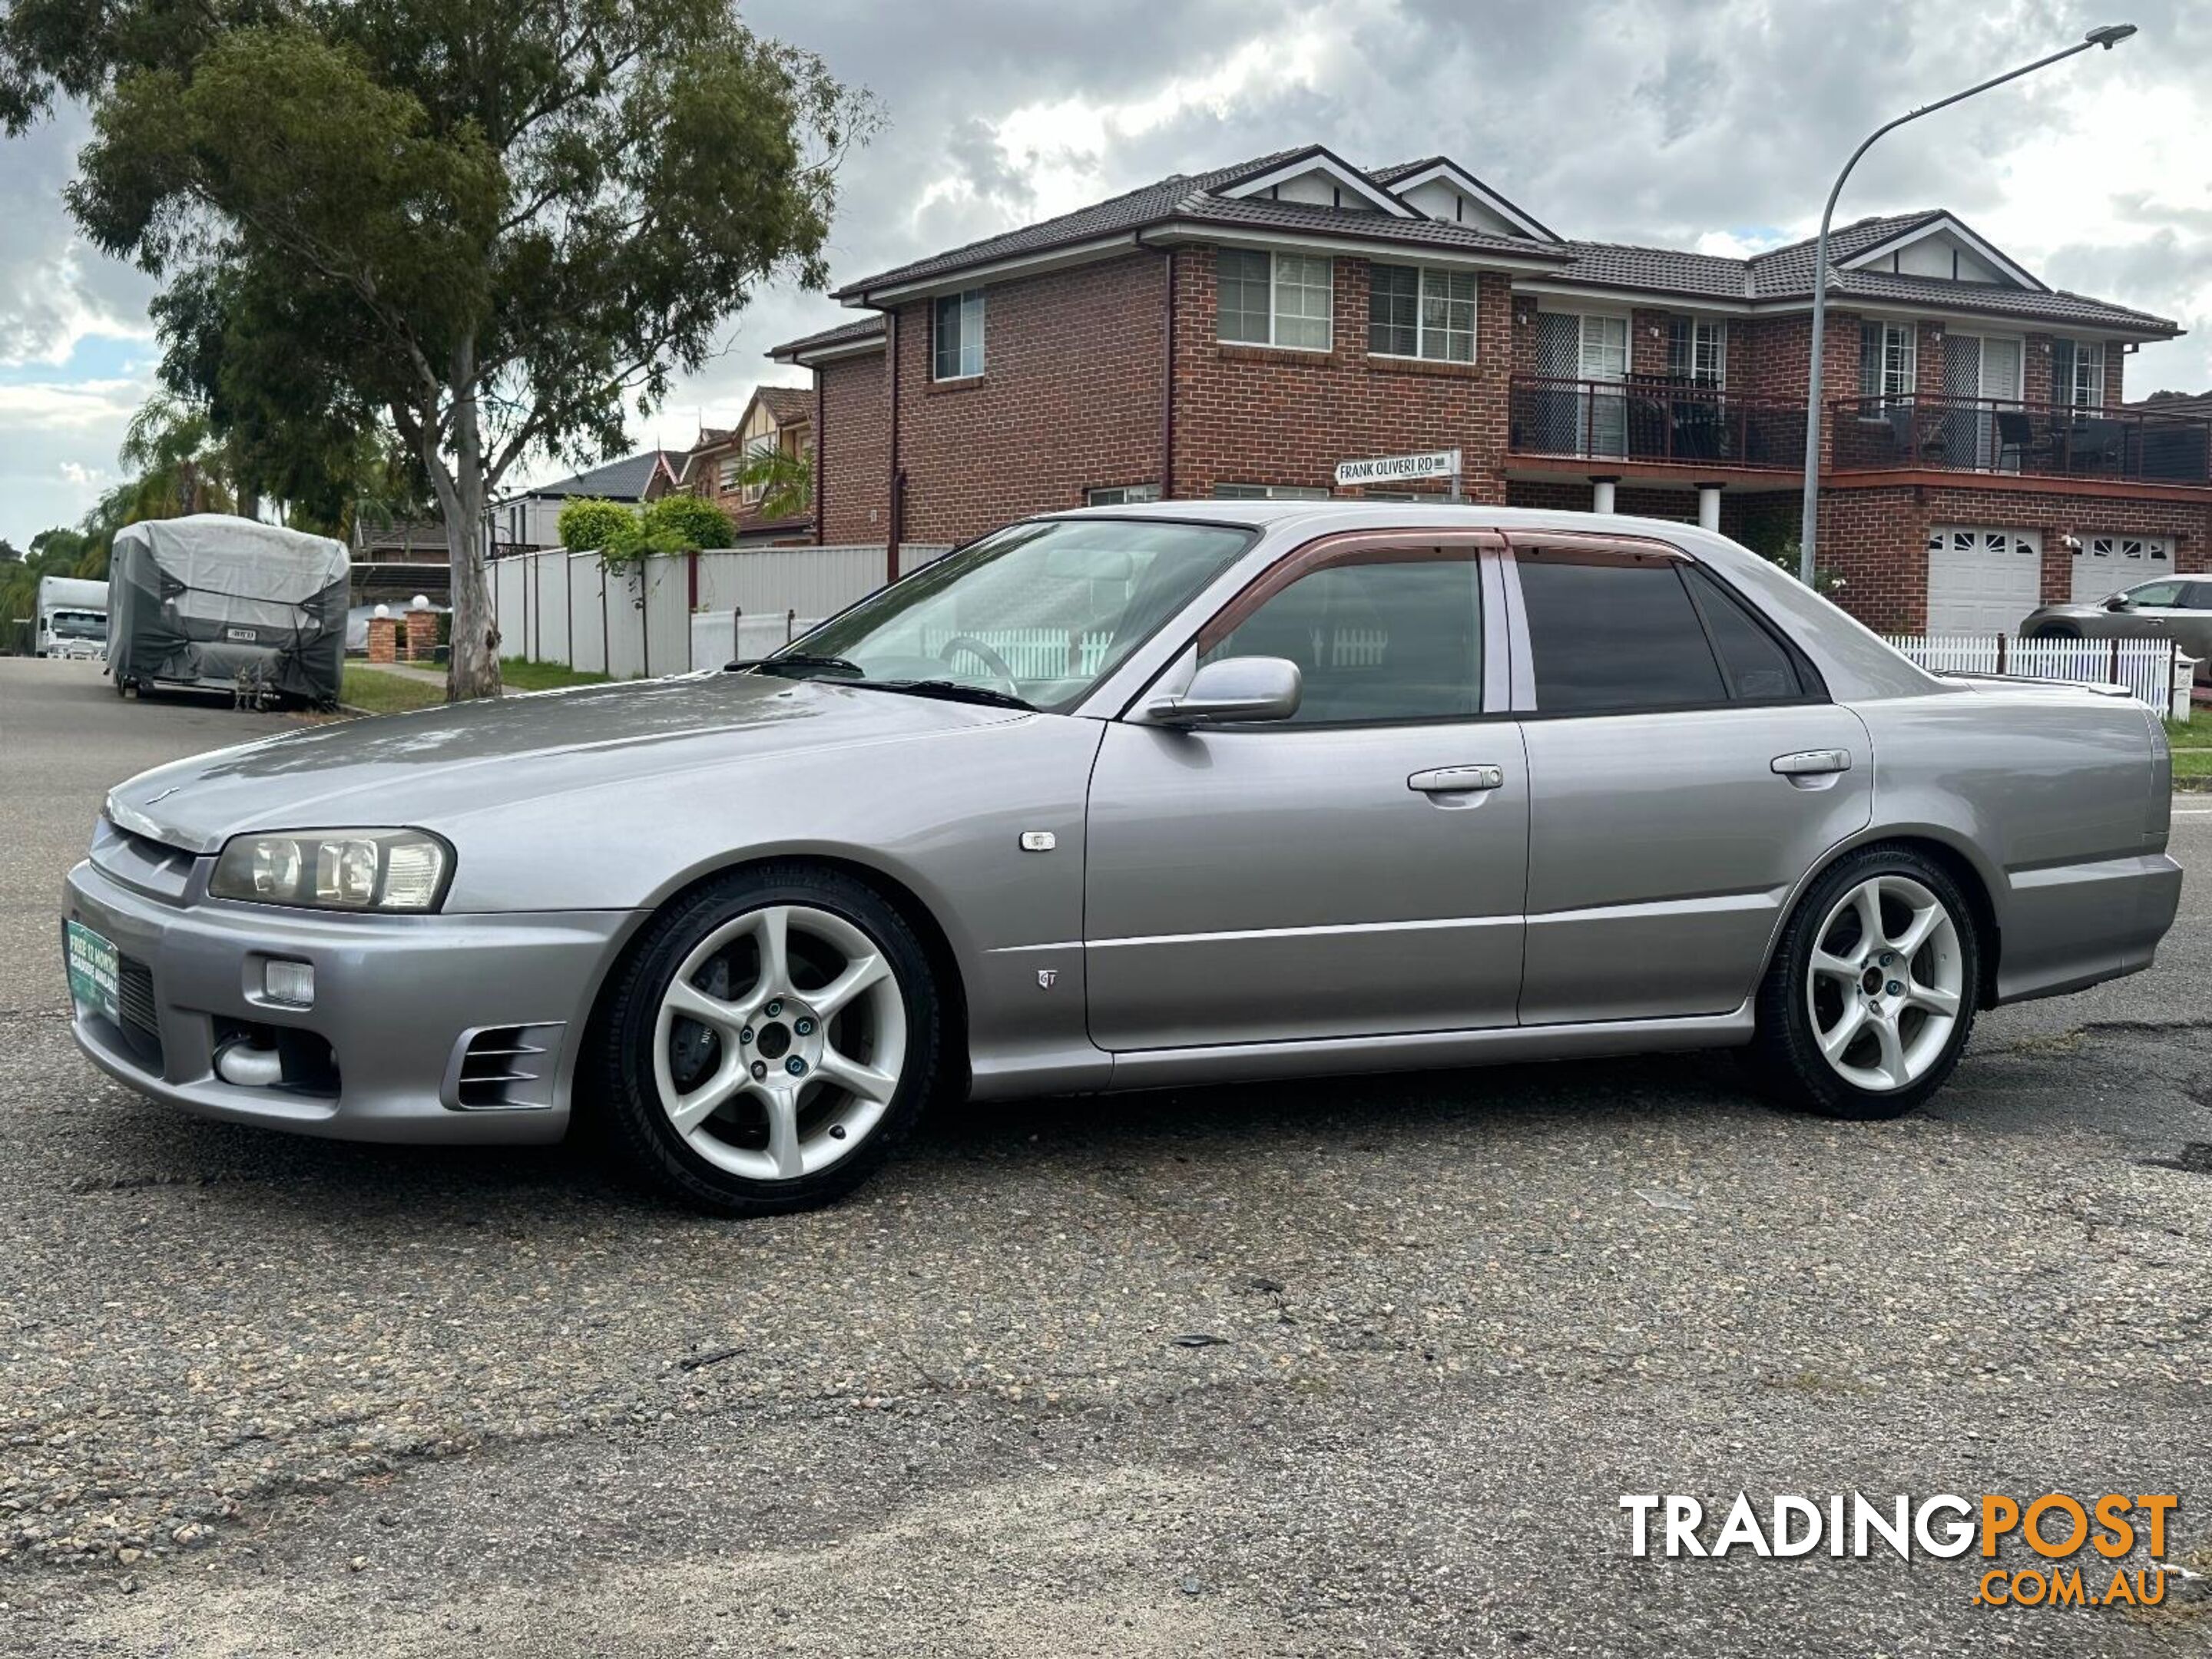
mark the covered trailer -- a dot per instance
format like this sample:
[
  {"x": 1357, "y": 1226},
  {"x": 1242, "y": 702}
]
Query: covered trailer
[{"x": 227, "y": 604}]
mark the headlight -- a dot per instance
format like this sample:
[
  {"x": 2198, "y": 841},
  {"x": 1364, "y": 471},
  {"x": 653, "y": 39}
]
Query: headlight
[{"x": 401, "y": 870}]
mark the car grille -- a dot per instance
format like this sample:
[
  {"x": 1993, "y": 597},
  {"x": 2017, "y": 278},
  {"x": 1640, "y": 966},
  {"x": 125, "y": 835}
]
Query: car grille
[
  {"x": 505, "y": 1067},
  {"x": 134, "y": 1001}
]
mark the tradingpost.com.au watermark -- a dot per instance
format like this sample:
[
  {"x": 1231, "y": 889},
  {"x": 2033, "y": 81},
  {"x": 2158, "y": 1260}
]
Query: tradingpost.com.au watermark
[{"x": 2080, "y": 1540}]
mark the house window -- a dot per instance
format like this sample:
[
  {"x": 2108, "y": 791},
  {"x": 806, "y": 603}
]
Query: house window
[
  {"x": 1244, "y": 492},
  {"x": 725, "y": 474},
  {"x": 1412, "y": 311},
  {"x": 1275, "y": 299},
  {"x": 1888, "y": 360},
  {"x": 959, "y": 335},
  {"x": 1697, "y": 351},
  {"x": 2077, "y": 374},
  {"x": 1120, "y": 494}
]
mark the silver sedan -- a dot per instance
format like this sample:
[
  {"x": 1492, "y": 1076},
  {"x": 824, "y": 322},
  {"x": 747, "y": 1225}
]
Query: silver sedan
[
  {"x": 2177, "y": 608},
  {"x": 1115, "y": 799}
]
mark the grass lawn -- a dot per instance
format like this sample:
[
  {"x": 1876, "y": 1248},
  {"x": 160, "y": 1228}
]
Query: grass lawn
[
  {"x": 387, "y": 694},
  {"x": 2192, "y": 749},
  {"x": 380, "y": 693},
  {"x": 520, "y": 674}
]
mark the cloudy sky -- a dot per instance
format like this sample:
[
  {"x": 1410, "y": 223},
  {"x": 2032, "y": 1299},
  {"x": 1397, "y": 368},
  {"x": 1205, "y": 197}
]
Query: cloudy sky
[{"x": 1714, "y": 125}]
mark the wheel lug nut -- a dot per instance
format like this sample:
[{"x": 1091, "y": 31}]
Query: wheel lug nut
[
  {"x": 745, "y": 1035},
  {"x": 795, "y": 1065},
  {"x": 804, "y": 1027},
  {"x": 774, "y": 1008},
  {"x": 1895, "y": 988},
  {"x": 760, "y": 1070}
]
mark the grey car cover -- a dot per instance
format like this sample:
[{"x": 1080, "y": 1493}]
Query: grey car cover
[{"x": 227, "y": 604}]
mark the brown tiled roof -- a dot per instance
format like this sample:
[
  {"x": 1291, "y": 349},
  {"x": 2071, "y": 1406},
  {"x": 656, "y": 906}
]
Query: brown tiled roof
[
  {"x": 2196, "y": 405},
  {"x": 788, "y": 405}
]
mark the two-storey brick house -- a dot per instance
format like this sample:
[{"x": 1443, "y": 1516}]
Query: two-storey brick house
[
  {"x": 1239, "y": 332},
  {"x": 778, "y": 418}
]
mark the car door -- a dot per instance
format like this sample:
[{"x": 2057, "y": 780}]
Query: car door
[
  {"x": 1685, "y": 769},
  {"x": 2192, "y": 622},
  {"x": 2154, "y": 610},
  {"x": 1355, "y": 870}
]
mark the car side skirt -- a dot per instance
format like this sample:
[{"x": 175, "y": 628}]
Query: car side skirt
[{"x": 1252, "y": 1062}]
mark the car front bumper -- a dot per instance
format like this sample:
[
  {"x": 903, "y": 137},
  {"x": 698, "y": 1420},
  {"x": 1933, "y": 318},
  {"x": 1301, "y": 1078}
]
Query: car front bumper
[{"x": 403, "y": 1002}]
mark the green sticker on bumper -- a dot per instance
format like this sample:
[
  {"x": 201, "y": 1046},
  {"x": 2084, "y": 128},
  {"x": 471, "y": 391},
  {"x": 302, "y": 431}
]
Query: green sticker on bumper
[{"x": 92, "y": 970}]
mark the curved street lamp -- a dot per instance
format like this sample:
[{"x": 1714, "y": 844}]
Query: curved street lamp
[{"x": 1808, "y": 531}]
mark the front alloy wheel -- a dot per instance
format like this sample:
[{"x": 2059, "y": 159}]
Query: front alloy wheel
[
  {"x": 1870, "y": 996},
  {"x": 772, "y": 1035}
]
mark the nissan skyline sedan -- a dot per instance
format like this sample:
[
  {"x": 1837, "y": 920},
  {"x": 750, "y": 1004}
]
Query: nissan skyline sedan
[{"x": 1125, "y": 797}]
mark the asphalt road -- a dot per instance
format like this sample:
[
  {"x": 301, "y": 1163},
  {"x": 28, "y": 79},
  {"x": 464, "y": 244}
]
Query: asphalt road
[{"x": 261, "y": 1396}]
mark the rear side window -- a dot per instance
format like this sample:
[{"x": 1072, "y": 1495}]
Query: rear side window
[
  {"x": 1614, "y": 637},
  {"x": 1757, "y": 667}
]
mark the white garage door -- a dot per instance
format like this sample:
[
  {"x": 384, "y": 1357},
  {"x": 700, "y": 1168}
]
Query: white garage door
[
  {"x": 2106, "y": 564},
  {"x": 1982, "y": 580}
]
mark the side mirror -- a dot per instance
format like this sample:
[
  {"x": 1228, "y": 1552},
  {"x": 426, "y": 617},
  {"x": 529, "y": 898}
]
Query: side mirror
[
  {"x": 1233, "y": 689},
  {"x": 2118, "y": 602}
]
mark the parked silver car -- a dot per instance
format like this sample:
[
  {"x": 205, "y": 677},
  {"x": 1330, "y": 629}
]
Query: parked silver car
[
  {"x": 1113, "y": 799},
  {"x": 2177, "y": 608}
]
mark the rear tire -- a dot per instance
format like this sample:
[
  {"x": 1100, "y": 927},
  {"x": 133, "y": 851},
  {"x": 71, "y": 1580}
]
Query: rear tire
[
  {"x": 2058, "y": 631},
  {"x": 774, "y": 1035},
  {"x": 1870, "y": 996}
]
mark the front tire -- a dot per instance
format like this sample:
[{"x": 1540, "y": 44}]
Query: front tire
[
  {"x": 776, "y": 1033},
  {"x": 1870, "y": 997}
]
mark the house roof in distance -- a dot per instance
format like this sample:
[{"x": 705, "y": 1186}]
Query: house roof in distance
[{"x": 616, "y": 481}]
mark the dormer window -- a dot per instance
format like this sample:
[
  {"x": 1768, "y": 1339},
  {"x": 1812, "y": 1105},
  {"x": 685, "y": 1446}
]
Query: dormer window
[
  {"x": 959, "y": 335},
  {"x": 1275, "y": 299}
]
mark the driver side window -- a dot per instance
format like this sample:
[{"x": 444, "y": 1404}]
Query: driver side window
[
  {"x": 1379, "y": 638},
  {"x": 2160, "y": 593}
]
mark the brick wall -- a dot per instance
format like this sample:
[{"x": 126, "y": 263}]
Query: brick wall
[
  {"x": 1069, "y": 399},
  {"x": 1249, "y": 414},
  {"x": 853, "y": 450}
]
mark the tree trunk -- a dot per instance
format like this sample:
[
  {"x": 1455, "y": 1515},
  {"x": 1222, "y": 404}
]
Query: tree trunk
[{"x": 472, "y": 670}]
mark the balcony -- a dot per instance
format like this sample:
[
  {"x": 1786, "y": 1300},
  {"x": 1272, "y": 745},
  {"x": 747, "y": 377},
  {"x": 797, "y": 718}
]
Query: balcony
[
  {"x": 2048, "y": 440},
  {"x": 1655, "y": 423}
]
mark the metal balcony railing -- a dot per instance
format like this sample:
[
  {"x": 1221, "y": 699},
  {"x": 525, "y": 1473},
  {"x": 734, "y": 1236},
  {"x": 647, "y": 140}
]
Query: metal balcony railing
[
  {"x": 1649, "y": 419},
  {"x": 1986, "y": 434}
]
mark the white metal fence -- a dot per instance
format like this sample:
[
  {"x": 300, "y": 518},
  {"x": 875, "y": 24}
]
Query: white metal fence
[
  {"x": 674, "y": 613},
  {"x": 2148, "y": 668}
]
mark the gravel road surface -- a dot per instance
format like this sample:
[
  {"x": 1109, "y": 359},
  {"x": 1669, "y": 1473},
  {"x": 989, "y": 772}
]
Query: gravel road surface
[{"x": 1355, "y": 1367}]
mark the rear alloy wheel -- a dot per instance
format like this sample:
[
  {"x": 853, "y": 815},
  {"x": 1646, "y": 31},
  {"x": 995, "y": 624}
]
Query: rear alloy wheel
[
  {"x": 770, "y": 1039},
  {"x": 1870, "y": 997}
]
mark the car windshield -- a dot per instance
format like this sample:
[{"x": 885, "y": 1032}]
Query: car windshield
[
  {"x": 1038, "y": 611},
  {"x": 79, "y": 625}
]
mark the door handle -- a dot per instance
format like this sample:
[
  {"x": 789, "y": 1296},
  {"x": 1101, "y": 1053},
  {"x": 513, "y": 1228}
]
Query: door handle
[
  {"x": 1808, "y": 762},
  {"x": 1457, "y": 780}
]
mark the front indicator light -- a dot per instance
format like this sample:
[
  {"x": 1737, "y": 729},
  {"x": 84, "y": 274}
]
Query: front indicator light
[
  {"x": 399, "y": 871},
  {"x": 293, "y": 982}
]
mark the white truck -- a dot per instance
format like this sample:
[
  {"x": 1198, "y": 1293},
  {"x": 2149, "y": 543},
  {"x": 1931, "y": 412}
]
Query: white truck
[{"x": 72, "y": 619}]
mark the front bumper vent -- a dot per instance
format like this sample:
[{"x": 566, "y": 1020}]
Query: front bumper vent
[
  {"x": 505, "y": 1068},
  {"x": 140, "y": 1022}
]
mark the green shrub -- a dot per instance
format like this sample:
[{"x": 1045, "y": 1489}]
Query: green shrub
[
  {"x": 586, "y": 522},
  {"x": 679, "y": 523}
]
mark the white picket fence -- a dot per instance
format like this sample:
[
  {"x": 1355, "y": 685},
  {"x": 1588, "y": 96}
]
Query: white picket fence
[
  {"x": 2148, "y": 668},
  {"x": 675, "y": 612}
]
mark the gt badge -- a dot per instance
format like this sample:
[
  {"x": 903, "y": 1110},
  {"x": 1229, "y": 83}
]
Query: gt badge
[{"x": 1046, "y": 976}]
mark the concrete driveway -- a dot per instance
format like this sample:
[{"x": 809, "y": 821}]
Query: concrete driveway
[{"x": 1352, "y": 1367}]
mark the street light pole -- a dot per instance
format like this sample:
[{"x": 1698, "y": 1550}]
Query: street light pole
[{"x": 1809, "y": 521}]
